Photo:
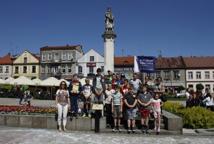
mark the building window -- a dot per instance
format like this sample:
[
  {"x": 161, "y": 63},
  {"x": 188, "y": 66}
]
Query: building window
[
  {"x": 79, "y": 69},
  {"x": 16, "y": 70},
  {"x": 56, "y": 56},
  {"x": 64, "y": 56},
  {"x": 158, "y": 74},
  {"x": 43, "y": 57},
  {"x": 7, "y": 69},
  {"x": 176, "y": 75},
  {"x": 198, "y": 75},
  {"x": 213, "y": 74},
  {"x": 25, "y": 60},
  {"x": 24, "y": 69},
  {"x": 190, "y": 75},
  {"x": 74, "y": 55},
  {"x": 167, "y": 75},
  {"x": 1, "y": 69},
  {"x": 91, "y": 58},
  {"x": 91, "y": 70},
  {"x": 49, "y": 56},
  {"x": 70, "y": 57},
  {"x": 63, "y": 69},
  {"x": 69, "y": 69},
  {"x": 207, "y": 75},
  {"x": 207, "y": 86},
  {"x": 42, "y": 69},
  {"x": 49, "y": 69},
  {"x": 33, "y": 69}
]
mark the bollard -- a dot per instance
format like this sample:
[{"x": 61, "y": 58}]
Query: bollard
[
  {"x": 97, "y": 115},
  {"x": 97, "y": 121}
]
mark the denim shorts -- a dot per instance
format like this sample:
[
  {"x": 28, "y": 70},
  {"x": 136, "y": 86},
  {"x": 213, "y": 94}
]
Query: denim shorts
[{"x": 131, "y": 113}]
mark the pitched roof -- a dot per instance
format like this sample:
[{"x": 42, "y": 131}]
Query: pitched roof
[
  {"x": 36, "y": 56},
  {"x": 6, "y": 60},
  {"x": 199, "y": 62},
  {"x": 170, "y": 63},
  {"x": 67, "y": 47},
  {"x": 126, "y": 60},
  {"x": 33, "y": 54}
]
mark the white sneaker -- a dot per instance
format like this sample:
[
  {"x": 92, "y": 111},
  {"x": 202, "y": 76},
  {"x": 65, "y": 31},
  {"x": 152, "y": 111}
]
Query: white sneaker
[
  {"x": 114, "y": 130},
  {"x": 60, "y": 129},
  {"x": 158, "y": 130}
]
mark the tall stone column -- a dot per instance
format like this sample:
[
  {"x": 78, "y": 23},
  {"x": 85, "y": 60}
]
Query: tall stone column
[{"x": 109, "y": 39}]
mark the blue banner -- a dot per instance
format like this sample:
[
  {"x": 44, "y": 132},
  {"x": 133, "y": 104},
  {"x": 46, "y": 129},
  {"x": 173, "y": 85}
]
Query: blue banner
[{"x": 146, "y": 64}]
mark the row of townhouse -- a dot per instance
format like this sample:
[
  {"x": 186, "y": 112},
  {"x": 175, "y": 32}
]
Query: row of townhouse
[
  {"x": 185, "y": 71},
  {"x": 64, "y": 61},
  {"x": 56, "y": 61}
]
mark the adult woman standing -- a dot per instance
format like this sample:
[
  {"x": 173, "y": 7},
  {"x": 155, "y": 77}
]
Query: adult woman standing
[{"x": 63, "y": 103}]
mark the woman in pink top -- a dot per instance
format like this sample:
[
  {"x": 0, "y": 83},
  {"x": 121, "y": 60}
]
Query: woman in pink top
[{"x": 156, "y": 108}]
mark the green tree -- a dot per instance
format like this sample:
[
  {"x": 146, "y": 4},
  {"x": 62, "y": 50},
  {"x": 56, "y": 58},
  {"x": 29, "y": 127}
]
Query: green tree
[{"x": 199, "y": 87}]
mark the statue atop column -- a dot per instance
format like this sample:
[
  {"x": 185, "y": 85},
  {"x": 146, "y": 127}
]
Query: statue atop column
[
  {"x": 109, "y": 20},
  {"x": 109, "y": 38}
]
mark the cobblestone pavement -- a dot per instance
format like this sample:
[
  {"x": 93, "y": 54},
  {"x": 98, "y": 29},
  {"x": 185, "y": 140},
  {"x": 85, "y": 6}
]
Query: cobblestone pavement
[{"x": 11, "y": 135}]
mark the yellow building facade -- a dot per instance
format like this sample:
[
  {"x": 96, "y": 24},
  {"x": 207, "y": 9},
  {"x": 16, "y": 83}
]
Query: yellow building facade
[{"x": 26, "y": 64}]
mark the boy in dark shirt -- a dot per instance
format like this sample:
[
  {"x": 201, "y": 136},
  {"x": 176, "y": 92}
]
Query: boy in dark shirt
[{"x": 130, "y": 101}]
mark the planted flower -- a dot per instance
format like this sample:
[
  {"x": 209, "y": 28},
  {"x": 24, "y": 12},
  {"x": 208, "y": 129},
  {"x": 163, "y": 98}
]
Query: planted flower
[{"x": 25, "y": 109}]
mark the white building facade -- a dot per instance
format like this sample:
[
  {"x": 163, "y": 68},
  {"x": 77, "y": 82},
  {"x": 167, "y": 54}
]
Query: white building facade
[
  {"x": 200, "y": 70},
  {"x": 89, "y": 62},
  {"x": 203, "y": 76}
]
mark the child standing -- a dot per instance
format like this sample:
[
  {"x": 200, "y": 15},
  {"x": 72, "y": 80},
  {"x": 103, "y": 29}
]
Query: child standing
[
  {"x": 108, "y": 107},
  {"x": 130, "y": 101},
  {"x": 87, "y": 94},
  {"x": 156, "y": 108},
  {"x": 144, "y": 97},
  {"x": 117, "y": 108}
]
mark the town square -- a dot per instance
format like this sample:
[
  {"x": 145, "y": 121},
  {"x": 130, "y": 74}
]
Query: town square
[{"x": 106, "y": 71}]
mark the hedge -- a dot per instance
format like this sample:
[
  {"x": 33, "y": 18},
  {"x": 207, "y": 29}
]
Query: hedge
[{"x": 195, "y": 117}]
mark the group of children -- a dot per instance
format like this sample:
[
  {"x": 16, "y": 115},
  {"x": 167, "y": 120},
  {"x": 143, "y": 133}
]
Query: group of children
[
  {"x": 123, "y": 100},
  {"x": 125, "y": 103}
]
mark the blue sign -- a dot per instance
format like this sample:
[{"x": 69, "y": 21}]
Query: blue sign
[{"x": 146, "y": 63}]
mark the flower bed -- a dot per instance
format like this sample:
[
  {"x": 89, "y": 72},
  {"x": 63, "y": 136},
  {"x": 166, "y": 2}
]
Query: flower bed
[{"x": 27, "y": 109}]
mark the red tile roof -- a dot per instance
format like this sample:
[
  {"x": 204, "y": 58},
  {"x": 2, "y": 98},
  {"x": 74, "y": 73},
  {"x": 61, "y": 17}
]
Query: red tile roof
[
  {"x": 6, "y": 60},
  {"x": 199, "y": 62},
  {"x": 126, "y": 60},
  {"x": 67, "y": 47},
  {"x": 170, "y": 63},
  {"x": 36, "y": 56}
]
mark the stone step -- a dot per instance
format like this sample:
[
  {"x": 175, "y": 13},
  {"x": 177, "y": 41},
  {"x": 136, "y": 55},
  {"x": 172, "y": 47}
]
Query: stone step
[{"x": 139, "y": 132}]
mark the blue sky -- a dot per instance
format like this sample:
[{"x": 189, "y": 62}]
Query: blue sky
[{"x": 143, "y": 27}]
